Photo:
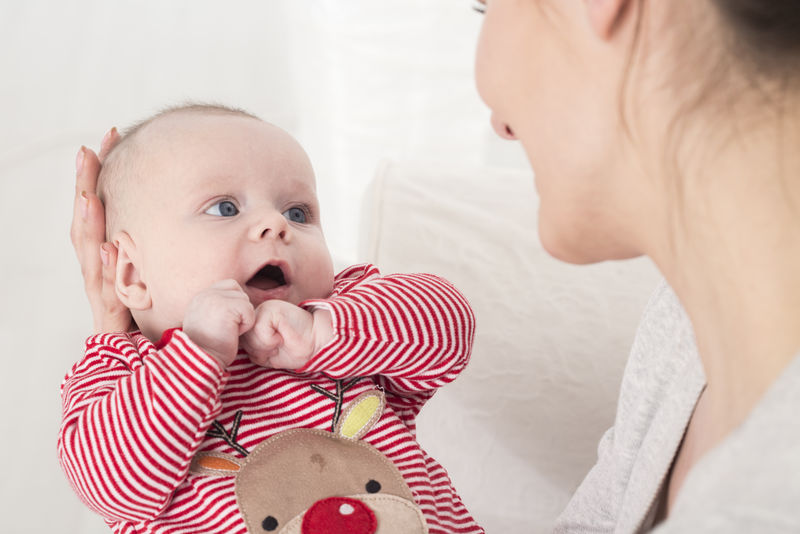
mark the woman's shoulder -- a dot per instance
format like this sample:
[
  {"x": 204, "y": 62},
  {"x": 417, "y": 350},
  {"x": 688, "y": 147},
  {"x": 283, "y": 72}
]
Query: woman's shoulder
[
  {"x": 749, "y": 482},
  {"x": 660, "y": 386},
  {"x": 663, "y": 349}
]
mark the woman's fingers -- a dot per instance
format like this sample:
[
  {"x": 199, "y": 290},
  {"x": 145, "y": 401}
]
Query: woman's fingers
[
  {"x": 88, "y": 167},
  {"x": 88, "y": 223},
  {"x": 91, "y": 234},
  {"x": 88, "y": 234},
  {"x": 99, "y": 267},
  {"x": 91, "y": 237},
  {"x": 115, "y": 317},
  {"x": 109, "y": 141}
]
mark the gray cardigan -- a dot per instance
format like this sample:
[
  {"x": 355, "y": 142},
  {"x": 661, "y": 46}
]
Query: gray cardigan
[{"x": 748, "y": 483}]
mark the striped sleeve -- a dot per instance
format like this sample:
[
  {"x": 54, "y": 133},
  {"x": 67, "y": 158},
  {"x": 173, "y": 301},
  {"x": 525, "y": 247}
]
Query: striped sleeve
[
  {"x": 131, "y": 424},
  {"x": 414, "y": 331}
]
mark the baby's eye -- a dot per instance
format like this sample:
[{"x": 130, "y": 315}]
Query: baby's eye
[
  {"x": 223, "y": 208},
  {"x": 297, "y": 215}
]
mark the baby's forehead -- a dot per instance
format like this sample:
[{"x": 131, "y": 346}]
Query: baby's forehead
[
  {"x": 213, "y": 144},
  {"x": 184, "y": 126}
]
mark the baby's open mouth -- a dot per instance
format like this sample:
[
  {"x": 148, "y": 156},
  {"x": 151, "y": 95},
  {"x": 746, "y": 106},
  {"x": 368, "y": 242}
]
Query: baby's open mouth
[{"x": 268, "y": 277}]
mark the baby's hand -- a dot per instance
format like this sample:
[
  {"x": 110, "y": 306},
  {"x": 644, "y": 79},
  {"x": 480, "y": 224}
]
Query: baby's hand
[
  {"x": 217, "y": 317},
  {"x": 286, "y": 336}
]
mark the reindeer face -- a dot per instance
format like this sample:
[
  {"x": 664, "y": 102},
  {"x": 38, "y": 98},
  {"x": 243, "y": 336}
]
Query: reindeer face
[{"x": 308, "y": 481}]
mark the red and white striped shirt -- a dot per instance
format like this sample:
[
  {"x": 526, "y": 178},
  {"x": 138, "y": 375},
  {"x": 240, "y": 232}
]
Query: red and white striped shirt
[{"x": 134, "y": 415}]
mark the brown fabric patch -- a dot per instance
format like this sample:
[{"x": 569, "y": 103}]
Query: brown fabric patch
[{"x": 289, "y": 472}]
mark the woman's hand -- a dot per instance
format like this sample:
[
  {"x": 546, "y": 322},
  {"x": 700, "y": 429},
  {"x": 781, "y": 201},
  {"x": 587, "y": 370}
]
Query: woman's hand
[{"x": 98, "y": 259}]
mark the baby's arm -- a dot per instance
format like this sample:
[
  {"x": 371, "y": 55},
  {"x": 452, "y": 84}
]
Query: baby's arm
[
  {"x": 413, "y": 330},
  {"x": 131, "y": 424}
]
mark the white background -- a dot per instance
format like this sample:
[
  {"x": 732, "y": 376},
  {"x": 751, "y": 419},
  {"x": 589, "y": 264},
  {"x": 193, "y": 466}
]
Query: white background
[{"x": 356, "y": 81}]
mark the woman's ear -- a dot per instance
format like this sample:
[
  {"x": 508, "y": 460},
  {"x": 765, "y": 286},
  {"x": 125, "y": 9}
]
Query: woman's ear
[
  {"x": 605, "y": 14},
  {"x": 130, "y": 285}
]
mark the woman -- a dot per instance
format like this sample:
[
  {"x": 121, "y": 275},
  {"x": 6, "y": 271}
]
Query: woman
[{"x": 667, "y": 129}]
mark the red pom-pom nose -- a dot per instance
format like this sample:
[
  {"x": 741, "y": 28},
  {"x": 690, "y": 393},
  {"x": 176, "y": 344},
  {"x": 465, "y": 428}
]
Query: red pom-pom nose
[{"x": 339, "y": 515}]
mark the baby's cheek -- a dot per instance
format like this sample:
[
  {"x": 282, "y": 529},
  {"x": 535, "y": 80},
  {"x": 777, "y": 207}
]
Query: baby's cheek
[{"x": 171, "y": 303}]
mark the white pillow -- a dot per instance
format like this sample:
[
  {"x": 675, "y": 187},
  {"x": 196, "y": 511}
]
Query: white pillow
[{"x": 518, "y": 430}]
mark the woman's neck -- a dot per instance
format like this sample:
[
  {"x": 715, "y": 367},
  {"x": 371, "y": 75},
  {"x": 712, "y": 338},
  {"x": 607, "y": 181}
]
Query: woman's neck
[{"x": 733, "y": 258}]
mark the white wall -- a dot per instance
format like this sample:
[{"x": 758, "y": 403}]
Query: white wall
[{"x": 354, "y": 80}]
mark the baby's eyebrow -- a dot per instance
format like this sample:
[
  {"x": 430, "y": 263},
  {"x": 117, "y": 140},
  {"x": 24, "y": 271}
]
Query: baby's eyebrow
[
  {"x": 219, "y": 180},
  {"x": 301, "y": 186}
]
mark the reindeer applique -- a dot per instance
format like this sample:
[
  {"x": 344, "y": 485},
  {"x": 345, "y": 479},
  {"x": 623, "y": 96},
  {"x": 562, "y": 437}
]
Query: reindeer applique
[{"x": 310, "y": 481}]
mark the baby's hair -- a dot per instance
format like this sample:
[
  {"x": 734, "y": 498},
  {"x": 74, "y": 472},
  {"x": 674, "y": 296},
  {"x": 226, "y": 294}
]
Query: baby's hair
[{"x": 121, "y": 166}]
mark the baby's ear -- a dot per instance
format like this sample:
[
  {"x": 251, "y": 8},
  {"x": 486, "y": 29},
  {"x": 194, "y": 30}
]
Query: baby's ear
[{"x": 131, "y": 287}]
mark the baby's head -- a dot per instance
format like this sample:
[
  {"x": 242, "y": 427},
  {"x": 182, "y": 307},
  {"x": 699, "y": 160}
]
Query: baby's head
[{"x": 199, "y": 194}]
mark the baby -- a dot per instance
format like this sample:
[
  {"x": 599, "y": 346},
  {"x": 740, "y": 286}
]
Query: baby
[{"x": 261, "y": 393}]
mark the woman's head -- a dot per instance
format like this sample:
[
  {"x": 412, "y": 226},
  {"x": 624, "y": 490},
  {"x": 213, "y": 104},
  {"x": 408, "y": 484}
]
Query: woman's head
[{"x": 612, "y": 99}]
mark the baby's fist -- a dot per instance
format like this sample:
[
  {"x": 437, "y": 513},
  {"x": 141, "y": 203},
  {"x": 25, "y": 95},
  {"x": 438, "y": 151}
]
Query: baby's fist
[
  {"x": 216, "y": 317},
  {"x": 285, "y": 336}
]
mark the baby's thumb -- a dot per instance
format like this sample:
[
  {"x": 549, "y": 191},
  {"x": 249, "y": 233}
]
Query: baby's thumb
[{"x": 247, "y": 318}]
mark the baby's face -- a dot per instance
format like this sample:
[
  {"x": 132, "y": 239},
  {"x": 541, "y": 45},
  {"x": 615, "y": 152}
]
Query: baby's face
[{"x": 227, "y": 197}]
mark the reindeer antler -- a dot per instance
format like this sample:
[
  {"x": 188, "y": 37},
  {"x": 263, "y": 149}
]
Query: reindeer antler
[
  {"x": 219, "y": 432},
  {"x": 338, "y": 398}
]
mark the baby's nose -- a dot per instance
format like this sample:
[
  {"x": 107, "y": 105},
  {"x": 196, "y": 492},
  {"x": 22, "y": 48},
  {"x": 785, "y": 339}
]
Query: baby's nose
[{"x": 270, "y": 226}]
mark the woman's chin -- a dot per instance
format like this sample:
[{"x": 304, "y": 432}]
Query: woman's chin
[
  {"x": 559, "y": 251},
  {"x": 581, "y": 245}
]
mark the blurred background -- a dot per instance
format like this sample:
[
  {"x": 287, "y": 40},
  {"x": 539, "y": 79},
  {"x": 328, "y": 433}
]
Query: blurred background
[{"x": 356, "y": 81}]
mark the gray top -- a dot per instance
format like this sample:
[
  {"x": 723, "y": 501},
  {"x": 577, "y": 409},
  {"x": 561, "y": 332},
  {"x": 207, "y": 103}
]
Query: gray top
[{"x": 749, "y": 483}]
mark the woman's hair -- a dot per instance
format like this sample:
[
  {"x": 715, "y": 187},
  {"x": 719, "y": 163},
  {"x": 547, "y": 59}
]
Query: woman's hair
[
  {"x": 767, "y": 32},
  {"x": 755, "y": 51}
]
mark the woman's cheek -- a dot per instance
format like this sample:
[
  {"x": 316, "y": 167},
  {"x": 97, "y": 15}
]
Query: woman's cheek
[{"x": 482, "y": 77}]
